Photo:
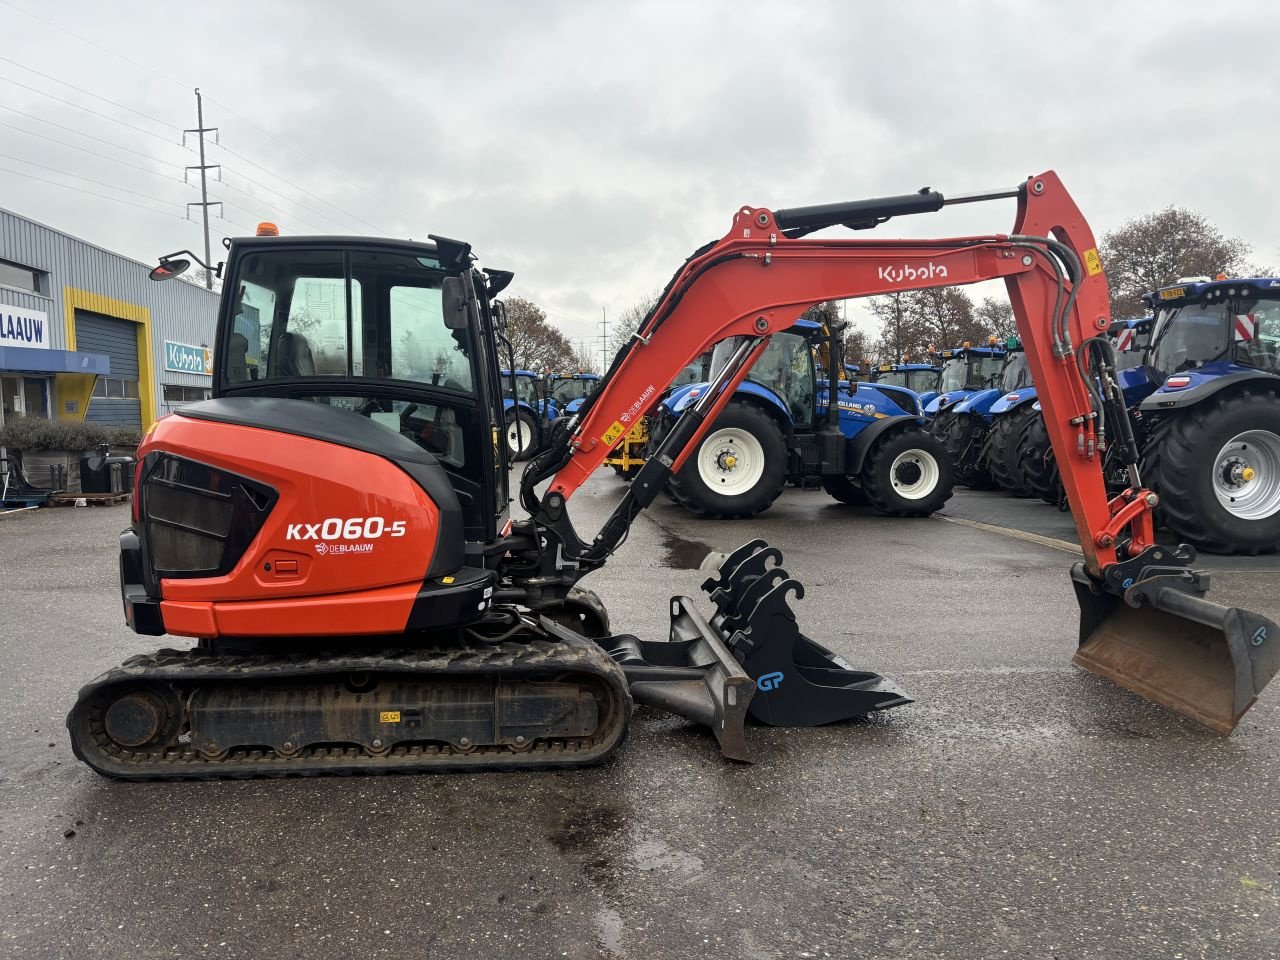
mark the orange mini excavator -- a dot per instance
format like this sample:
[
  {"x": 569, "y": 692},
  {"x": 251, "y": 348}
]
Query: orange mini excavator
[{"x": 334, "y": 526}]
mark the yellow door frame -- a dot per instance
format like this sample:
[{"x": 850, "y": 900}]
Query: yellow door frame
[{"x": 78, "y": 387}]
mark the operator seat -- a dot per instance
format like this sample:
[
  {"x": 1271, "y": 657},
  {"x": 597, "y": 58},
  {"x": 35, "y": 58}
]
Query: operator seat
[
  {"x": 293, "y": 354},
  {"x": 237, "y": 358}
]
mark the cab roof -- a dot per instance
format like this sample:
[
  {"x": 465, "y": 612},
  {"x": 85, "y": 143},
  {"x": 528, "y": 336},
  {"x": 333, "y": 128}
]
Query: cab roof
[{"x": 1195, "y": 290}]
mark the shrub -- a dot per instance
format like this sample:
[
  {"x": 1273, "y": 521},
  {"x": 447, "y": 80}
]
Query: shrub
[
  {"x": 37, "y": 433},
  {"x": 124, "y": 436}
]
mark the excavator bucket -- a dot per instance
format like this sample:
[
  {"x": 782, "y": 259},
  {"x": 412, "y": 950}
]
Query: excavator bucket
[
  {"x": 749, "y": 659},
  {"x": 799, "y": 682},
  {"x": 1195, "y": 657}
]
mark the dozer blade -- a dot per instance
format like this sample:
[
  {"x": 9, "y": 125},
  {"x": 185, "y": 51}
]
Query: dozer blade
[{"x": 1200, "y": 659}]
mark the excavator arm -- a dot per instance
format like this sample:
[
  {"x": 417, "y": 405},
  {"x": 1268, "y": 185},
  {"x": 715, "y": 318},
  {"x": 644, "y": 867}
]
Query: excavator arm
[{"x": 766, "y": 270}]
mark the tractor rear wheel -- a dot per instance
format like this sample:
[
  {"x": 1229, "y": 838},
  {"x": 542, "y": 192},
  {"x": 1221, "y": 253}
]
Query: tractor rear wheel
[
  {"x": 1036, "y": 464},
  {"x": 907, "y": 473},
  {"x": 844, "y": 489},
  {"x": 962, "y": 435},
  {"x": 522, "y": 436},
  {"x": 1001, "y": 453},
  {"x": 1216, "y": 467},
  {"x": 739, "y": 468}
]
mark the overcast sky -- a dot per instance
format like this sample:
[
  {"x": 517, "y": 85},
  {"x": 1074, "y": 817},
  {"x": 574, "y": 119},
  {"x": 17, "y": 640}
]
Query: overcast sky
[{"x": 591, "y": 146}]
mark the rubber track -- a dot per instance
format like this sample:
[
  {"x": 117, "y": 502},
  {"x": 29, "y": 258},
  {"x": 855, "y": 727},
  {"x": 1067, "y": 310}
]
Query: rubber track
[
  {"x": 1165, "y": 468},
  {"x": 535, "y": 659}
]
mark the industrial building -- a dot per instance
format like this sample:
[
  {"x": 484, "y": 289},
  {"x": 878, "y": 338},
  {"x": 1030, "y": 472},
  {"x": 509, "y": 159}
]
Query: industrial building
[{"x": 86, "y": 335}]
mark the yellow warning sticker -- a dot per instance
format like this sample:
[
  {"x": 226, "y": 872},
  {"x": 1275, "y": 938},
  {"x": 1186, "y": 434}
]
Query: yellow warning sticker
[
  {"x": 447, "y": 580},
  {"x": 1092, "y": 262},
  {"x": 389, "y": 716},
  {"x": 612, "y": 434}
]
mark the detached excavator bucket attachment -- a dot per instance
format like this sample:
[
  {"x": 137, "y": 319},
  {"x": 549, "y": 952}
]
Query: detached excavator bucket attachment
[
  {"x": 799, "y": 683},
  {"x": 1195, "y": 657},
  {"x": 749, "y": 658}
]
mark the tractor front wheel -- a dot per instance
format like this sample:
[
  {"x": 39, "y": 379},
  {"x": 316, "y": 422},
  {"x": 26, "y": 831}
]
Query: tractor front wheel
[
  {"x": 522, "y": 435},
  {"x": 738, "y": 470},
  {"x": 908, "y": 473},
  {"x": 1216, "y": 467}
]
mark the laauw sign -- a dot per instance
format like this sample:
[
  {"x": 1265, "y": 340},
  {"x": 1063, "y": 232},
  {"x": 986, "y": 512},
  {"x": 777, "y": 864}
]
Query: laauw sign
[
  {"x": 184, "y": 358},
  {"x": 20, "y": 327}
]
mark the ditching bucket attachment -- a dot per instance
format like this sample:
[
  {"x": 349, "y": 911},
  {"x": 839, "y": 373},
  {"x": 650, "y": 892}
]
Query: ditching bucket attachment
[
  {"x": 1195, "y": 657},
  {"x": 799, "y": 683},
  {"x": 750, "y": 658}
]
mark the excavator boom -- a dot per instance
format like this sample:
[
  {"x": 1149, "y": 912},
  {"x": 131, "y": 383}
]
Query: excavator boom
[{"x": 766, "y": 270}]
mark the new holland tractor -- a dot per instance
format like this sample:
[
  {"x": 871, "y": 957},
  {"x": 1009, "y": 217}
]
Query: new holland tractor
[
  {"x": 919, "y": 377},
  {"x": 1036, "y": 468},
  {"x": 1213, "y": 425},
  {"x": 524, "y": 409},
  {"x": 565, "y": 392},
  {"x": 777, "y": 428},
  {"x": 1008, "y": 417},
  {"x": 973, "y": 379}
]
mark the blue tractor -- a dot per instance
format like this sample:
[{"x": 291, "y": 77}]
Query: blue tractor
[
  {"x": 565, "y": 392},
  {"x": 1036, "y": 468},
  {"x": 1008, "y": 417},
  {"x": 972, "y": 380},
  {"x": 871, "y": 447},
  {"x": 525, "y": 410},
  {"x": 920, "y": 377},
  {"x": 1212, "y": 449}
]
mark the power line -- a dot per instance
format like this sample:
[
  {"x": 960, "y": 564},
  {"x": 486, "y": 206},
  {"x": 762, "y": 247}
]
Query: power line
[
  {"x": 76, "y": 176},
  {"x": 299, "y": 152},
  {"x": 72, "y": 103},
  {"x": 32, "y": 116},
  {"x": 259, "y": 200},
  {"x": 88, "y": 93},
  {"x": 92, "y": 193},
  {"x": 280, "y": 194},
  {"x": 91, "y": 43},
  {"x": 100, "y": 156},
  {"x": 350, "y": 216}
]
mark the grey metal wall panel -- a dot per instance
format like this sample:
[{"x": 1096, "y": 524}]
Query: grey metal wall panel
[
  {"x": 118, "y": 339},
  {"x": 114, "y": 413},
  {"x": 180, "y": 311}
]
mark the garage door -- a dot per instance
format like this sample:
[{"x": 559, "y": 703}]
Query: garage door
[{"x": 115, "y": 397}]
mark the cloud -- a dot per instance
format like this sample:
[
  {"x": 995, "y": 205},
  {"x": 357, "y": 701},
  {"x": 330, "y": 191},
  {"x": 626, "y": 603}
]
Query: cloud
[{"x": 591, "y": 147}]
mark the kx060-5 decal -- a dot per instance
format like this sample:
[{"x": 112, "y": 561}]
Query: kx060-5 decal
[{"x": 351, "y": 528}]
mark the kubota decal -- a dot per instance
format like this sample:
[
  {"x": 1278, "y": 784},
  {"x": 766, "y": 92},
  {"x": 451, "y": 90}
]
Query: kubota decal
[{"x": 908, "y": 272}]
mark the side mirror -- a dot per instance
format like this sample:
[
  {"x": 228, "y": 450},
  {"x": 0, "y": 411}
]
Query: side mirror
[
  {"x": 168, "y": 269},
  {"x": 453, "y": 303}
]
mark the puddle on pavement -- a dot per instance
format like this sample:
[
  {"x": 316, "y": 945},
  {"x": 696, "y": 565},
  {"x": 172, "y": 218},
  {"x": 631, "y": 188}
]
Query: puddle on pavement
[{"x": 681, "y": 554}]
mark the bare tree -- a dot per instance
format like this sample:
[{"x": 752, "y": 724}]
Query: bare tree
[
  {"x": 628, "y": 322},
  {"x": 857, "y": 347},
  {"x": 1156, "y": 249},
  {"x": 996, "y": 317},
  {"x": 536, "y": 344},
  {"x": 900, "y": 331}
]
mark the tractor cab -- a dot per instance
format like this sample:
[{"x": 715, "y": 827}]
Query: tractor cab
[
  {"x": 919, "y": 377},
  {"x": 566, "y": 392},
  {"x": 524, "y": 412},
  {"x": 1204, "y": 330},
  {"x": 965, "y": 370}
]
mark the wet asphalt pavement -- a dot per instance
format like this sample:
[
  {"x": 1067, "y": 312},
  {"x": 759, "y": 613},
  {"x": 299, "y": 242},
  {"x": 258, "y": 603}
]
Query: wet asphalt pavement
[{"x": 1019, "y": 808}]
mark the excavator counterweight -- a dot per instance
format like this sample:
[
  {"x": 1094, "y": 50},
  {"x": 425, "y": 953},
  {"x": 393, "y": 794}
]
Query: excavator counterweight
[{"x": 334, "y": 528}]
